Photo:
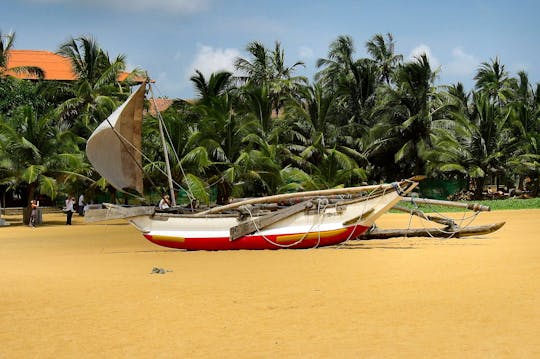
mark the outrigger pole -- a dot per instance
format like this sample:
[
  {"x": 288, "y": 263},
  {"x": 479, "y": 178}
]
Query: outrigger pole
[{"x": 472, "y": 206}]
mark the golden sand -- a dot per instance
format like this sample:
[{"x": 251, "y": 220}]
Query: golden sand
[{"x": 87, "y": 291}]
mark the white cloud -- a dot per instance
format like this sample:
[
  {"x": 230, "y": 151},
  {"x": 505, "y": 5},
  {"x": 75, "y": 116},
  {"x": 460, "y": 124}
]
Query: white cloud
[
  {"x": 462, "y": 63},
  {"x": 209, "y": 60},
  {"x": 162, "y": 6},
  {"x": 305, "y": 52},
  {"x": 521, "y": 66},
  {"x": 424, "y": 49}
]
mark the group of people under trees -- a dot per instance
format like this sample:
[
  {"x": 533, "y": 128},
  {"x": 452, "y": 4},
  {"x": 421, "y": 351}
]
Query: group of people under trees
[
  {"x": 71, "y": 206},
  {"x": 69, "y": 209}
]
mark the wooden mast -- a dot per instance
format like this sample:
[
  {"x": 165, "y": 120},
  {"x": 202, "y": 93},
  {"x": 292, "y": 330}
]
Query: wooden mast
[{"x": 164, "y": 145}]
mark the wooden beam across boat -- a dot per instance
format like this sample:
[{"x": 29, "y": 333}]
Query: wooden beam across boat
[
  {"x": 472, "y": 206},
  {"x": 251, "y": 225},
  {"x": 116, "y": 212}
]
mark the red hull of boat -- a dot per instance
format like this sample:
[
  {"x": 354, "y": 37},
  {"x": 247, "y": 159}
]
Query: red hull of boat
[{"x": 254, "y": 242}]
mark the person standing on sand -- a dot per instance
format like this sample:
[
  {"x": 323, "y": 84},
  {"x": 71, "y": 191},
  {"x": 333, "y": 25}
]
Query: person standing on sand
[
  {"x": 81, "y": 205},
  {"x": 33, "y": 214},
  {"x": 69, "y": 209}
]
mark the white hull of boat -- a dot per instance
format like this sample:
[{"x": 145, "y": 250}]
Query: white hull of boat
[{"x": 316, "y": 227}]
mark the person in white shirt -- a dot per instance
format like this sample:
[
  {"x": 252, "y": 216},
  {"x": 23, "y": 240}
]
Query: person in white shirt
[
  {"x": 69, "y": 209},
  {"x": 165, "y": 202}
]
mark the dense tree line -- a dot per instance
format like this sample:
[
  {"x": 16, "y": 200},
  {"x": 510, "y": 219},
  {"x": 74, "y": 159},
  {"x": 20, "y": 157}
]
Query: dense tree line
[{"x": 266, "y": 130}]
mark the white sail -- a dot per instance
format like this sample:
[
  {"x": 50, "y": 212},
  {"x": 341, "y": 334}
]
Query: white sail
[{"x": 114, "y": 147}]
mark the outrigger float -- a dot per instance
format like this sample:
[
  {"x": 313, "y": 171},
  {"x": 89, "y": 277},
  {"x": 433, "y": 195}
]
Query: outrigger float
[
  {"x": 449, "y": 228},
  {"x": 293, "y": 220}
]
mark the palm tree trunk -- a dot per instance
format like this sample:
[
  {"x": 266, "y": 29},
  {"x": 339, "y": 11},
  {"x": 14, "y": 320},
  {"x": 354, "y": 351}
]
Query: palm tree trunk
[
  {"x": 112, "y": 193},
  {"x": 479, "y": 187},
  {"x": 223, "y": 193}
]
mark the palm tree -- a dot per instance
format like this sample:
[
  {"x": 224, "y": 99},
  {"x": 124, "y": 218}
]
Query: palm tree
[
  {"x": 318, "y": 142},
  {"x": 204, "y": 137},
  {"x": 95, "y": 92},
  {"x": 216, "y": 86},
  {"x": 479, "y": 146},
  {"x": 525, "y": 124},
  {"x": 256, "y": 71},
  {"x": 407, "y": 113},
  {"x": 191, "y": 159},
  {"x": 268, "y": 69},
  {"x": 382, "y": 51},
  {"x": 339, "y": 62},
  {"x": 354, "y": 82},
  {"x": 492, "y": 78},
  {"x": 36, "y": 152}
]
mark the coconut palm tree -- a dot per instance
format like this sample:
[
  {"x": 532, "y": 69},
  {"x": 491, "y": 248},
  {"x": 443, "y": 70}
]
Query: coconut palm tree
[
  {"x": 268, "y": 69},
  {"x": 96, "y": 89},
  {"x": 354, "y": 82},
  {"x": 524, "y": 122},
  {"x": 204, "y": 137},
  {"x": 492, "y": 78},
  {"x": 407, "y": 113},
  {"x": 217, "y": 85},
  {"x": 383, "y": 52},
  {"x": 316, "y": 144},
  {"x": 37, "y": 152},
  {"x": 479, "y": 146}
]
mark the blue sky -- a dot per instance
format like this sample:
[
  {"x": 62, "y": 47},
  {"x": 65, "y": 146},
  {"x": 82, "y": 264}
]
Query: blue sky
[{"x": 172, "y": 38}]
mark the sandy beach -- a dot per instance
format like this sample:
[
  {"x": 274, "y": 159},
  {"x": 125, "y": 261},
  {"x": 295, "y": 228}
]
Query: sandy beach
[{"x": 87, "y": 291}]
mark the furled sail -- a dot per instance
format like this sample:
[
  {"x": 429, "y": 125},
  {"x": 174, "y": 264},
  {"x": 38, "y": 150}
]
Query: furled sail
[{"x": 114, "y": 148}]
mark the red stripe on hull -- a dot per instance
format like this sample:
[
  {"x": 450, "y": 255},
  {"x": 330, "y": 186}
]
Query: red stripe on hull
[{"x": 325, "y": 238}]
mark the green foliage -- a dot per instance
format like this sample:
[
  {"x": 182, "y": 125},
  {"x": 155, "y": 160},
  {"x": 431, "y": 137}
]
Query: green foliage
[
  {"x": 15, "y": 93},
  {"x": 494, "y": 205},
  {"x": 268, "y": 131}
]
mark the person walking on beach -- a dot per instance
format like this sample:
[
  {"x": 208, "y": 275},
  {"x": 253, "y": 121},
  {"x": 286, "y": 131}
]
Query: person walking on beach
[
  {"x": 33, "y": 213},
  {"x": 69, "y": 209}
]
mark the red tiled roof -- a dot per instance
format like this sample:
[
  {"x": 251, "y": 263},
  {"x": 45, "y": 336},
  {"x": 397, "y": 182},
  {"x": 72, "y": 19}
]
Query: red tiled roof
[
  {"x": 161, "y": 104},
  {"x": 56, "y": 67}
]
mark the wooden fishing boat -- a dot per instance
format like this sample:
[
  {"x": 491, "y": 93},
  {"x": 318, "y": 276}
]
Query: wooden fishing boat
[{"x": 319, "y": 218}]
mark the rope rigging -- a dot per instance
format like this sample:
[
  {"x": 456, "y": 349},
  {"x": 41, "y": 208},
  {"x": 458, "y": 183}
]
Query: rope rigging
[{"x": 450, "y": 229}]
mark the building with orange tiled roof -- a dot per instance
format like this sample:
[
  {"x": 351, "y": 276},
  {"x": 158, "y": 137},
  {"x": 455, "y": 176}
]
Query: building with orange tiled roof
[
  {"x": 56, "y": 67},
  {"x": 159, "y": 105}
]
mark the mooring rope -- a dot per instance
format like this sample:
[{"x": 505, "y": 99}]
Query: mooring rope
[
  {"x": 320, "y": 216},
  {"x": 357, "y": 223},
  {"x": 445, "y": 230}
]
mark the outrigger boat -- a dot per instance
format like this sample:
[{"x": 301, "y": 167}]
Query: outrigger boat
[{"x": 292, "y": 220}]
